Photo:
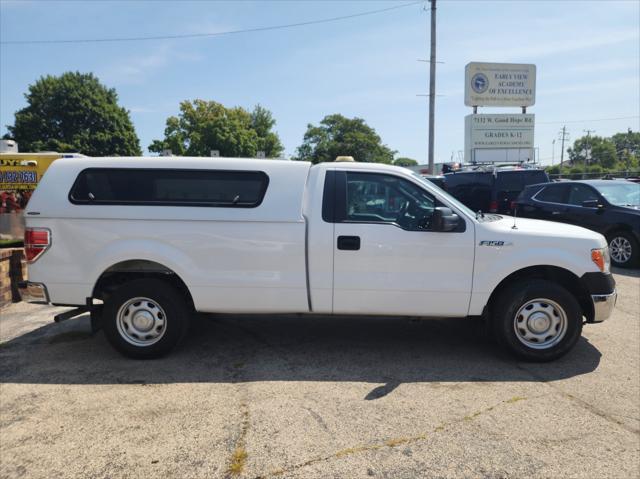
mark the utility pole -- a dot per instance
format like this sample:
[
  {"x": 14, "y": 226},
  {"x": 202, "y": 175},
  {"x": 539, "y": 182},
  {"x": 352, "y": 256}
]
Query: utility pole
[
  {"x": 553, "y": 151},
  {"x": 563, "y": 137},
  {"x": 587, "y": 153},
  {"x": 627, "y": 145},
  {"x": 432, "y": 86}
]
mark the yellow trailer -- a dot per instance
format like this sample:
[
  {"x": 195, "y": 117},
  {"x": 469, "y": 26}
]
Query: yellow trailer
[
  {"x": 22, "y": 171},
  {"x": 19, "y": 176}
]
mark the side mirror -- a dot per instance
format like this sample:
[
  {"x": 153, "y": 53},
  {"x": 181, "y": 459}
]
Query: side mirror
[
  {"x": 592, "y": 204},
  {"x": 444, "y": 219}
]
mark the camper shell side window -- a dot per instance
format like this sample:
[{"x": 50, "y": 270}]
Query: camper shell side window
[{"x": 169, "y": 187}]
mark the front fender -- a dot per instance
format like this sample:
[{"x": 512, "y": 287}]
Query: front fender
[{"x": 494, "y": 264}]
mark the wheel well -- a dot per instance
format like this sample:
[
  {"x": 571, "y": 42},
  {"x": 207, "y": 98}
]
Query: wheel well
[
  {"x": 564, "y": 277},
  {"x": 617, "y": 228},
  {"x": 125, "y": 271}
]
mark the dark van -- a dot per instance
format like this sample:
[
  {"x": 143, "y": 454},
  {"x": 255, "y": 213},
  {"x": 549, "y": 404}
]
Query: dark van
[{"x": 492, "y": 190}]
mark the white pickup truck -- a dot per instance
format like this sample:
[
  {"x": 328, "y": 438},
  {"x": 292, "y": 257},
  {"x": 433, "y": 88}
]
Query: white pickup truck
[{"x": 145, "y": 242}]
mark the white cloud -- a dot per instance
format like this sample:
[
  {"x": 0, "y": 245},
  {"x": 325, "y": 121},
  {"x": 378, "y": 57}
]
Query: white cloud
[
  {"x": 606, "y": 66},
  {"x": 630, "y": 82},
  {"x": 137, "y": 69},
  {"x": 16, "y": 3},
  {"x": 206, "y": 25},
  {"x": 142, "y": 109},
  {"x": 538, "y": 48}
]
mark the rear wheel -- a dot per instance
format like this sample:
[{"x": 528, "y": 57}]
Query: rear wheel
[
  {"x": 537, "y": 320},
  {"x": 623, "y": 249},
  {"x": 145, "y": 318}
]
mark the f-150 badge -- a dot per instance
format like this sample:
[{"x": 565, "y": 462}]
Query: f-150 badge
[{"x": 493, "y": 243}]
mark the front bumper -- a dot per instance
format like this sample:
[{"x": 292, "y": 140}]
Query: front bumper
[
  {"x": 603, "y": 305},
  {"x": 33, "y": 292},
  {"x": 602, "y": 289}
]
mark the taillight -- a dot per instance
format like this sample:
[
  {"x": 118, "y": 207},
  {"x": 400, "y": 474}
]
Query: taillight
[
  {"x": 493, "y": 207},
  {"x": 36, "y": 242}
]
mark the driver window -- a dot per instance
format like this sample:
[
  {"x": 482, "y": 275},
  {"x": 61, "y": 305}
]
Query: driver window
[
  {"x": 378, "y": 198},
  {"x": 579, "y": 193}
]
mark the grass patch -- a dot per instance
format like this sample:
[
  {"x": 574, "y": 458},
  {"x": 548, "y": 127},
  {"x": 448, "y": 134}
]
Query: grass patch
[
  {"x": 353, "y": 450},
  {"x": 238, "y": 460},
  {"x": 395, "y": 442},
  {"x": 11, "y": 243},
  {"x": 471, "y": 417}
]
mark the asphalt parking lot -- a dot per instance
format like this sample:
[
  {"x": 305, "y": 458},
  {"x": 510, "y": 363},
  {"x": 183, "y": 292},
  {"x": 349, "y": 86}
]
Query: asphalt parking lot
[{"x": 318, "y": 397}]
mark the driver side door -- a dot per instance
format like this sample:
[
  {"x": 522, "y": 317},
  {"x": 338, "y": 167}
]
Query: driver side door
[
  {"x": 387, "y": 260},
  {"x": 578, "y": 214}
]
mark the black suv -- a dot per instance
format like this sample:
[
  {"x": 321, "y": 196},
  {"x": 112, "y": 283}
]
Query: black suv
[
  {"x": 610, "y": 207},
  {"x": 491, "y": 189}
]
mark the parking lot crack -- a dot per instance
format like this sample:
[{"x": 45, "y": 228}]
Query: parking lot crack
[
  {"x": 318, "y": 418},
  {"x": 581, "y": 402},
  {"x": 390, "y": 442},
  {"x": 238, "y": 458}
]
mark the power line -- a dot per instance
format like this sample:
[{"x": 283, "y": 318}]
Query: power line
[
  {"x": 286, "y": 1},
  {"x": 212, "y": 34},
  {"x": 585, "y": 121}
]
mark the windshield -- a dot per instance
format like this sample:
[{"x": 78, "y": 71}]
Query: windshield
[
  {"x": 447, "y": 196},
  {"x": 621, "y": 194}
]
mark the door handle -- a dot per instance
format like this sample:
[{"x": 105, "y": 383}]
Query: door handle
[
  {"x": 556, "y": 212},
  {"x": 350, "y": 243}
]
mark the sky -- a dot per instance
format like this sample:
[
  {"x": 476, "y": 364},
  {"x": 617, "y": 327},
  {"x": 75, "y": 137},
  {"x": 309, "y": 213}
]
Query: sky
[{"x": 587, "y": 55}]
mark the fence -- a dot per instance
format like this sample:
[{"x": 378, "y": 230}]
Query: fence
[
  {"x": 594, "y": 176},
  {"x": 12, "y": 270}
]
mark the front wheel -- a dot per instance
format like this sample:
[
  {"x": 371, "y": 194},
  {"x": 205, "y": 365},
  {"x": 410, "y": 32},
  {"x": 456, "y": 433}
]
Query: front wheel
[
  {"x": 623, "y": 249},
  {"x": 537, "y": 320},
  {"x": 145, "y": 318}
]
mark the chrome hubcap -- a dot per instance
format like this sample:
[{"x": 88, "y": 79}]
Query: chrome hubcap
[
  {"x": 540, "y": 323},
  {"x": 620, "y": 249},
  {"x": 141, "y": 322}
]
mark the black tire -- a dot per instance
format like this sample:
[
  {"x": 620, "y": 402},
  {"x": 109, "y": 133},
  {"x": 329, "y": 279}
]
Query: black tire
[
  {"x": 618, "y": 238},
  {"x": 165, "y": 301},
  {"x": 512, "y": 299}
]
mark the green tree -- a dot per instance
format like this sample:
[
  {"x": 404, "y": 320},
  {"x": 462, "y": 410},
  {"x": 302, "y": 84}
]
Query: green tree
[
  {"x": 74, "y": 113},
  {"x": 203, "y": 126},
  {"x": 628, "y": 161},
  {"x": 402, "y": 161},
  {"x": 603, "y": 151},
  {"x": 595, "y": 168},
  {"x": 576, "y": 170},
  {"x": 554, "y": 170},
  {"x": 337, "y": 135},
  {"x": 627, "y": 149},
  {"x": 629, "y": 141}
]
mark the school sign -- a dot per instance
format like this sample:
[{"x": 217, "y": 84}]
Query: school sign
[
  {"x": 500, "y": 84},
  {"x": 497, "y": 132}
]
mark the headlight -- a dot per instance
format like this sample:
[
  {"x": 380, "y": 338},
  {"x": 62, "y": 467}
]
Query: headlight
[{"x": 600, "y": 257}]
